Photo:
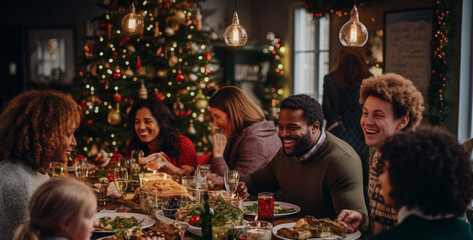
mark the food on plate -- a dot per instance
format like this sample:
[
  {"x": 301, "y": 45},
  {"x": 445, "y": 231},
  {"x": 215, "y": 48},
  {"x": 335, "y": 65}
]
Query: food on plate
[
  {"x": 159, "y": 231},
  {"x": 116, "y": 223},
  {"x": 165, "y": 187},
  {"x": 224, "y": 213},
  {"x": 309, "y": 227},
  {"x": 277, "y": 209}
]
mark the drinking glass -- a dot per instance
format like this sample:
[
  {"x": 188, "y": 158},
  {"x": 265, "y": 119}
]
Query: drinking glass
[
  {"x": 265, "y": 206},
  {"x": 231, "y": 179},
  {"x": 201, "y": 178},
  {"x": 120, "y": 178},
  {"x": 58, "y": 169},
  {"x": 188, "y": 181},
  {"x": 258, "y": 230},
  {"x": 80, "y": 168}
]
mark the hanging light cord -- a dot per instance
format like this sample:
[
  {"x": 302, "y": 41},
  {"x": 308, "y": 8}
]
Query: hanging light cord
[{"x": 235, "y": 5}]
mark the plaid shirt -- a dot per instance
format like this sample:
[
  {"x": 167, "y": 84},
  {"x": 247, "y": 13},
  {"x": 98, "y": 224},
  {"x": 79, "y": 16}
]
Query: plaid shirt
[{"x": 381, "y": 217}]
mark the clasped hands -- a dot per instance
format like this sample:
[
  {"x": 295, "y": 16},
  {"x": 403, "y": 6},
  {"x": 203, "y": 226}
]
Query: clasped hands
[{"x": 216, "y": 182}]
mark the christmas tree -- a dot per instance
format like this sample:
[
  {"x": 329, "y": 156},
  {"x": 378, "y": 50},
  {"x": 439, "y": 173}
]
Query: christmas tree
[{"x": 163, "y": 53}]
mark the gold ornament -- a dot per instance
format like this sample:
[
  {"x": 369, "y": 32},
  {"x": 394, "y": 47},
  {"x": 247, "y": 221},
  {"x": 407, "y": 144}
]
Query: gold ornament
[
  {"x": 191, "y": 130},
  {"x": 201, "y": 102},
  {"x": 131, "y": 49},
  {"x": 173, "y": 60},
  {"x": 169, "y": 31},
  {"x": 114, "y": 116},
  {"x": 129, "y": 72},
  {"x": 178, "y": 106},
  {"x": 162, "y": 73},
  {"x": 201, "y": 117},
  {"x": 143, "y": 92},
  {"x": 94, "y": 150}
]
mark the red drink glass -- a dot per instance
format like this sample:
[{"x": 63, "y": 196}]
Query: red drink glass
[{"x": 265, "y": 206}]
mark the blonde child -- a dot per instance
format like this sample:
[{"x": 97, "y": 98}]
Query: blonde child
[{"x": 61, "y": 208}]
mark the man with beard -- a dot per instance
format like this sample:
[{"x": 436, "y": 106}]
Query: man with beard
[{"x": 313, "y": 169}]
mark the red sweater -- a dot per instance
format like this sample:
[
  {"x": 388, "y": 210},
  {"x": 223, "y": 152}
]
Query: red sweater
[{"x": 187, "y": 154}]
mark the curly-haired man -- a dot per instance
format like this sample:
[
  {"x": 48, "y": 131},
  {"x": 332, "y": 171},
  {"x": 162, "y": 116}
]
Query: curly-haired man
[
  {"x": 428, "y": 177},
  {"x": 391, "y": 104}
]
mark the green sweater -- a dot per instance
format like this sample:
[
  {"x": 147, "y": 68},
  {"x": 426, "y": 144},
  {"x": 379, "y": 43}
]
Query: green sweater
[
  {"x": 322, "y": 185},
  {"x": 414, "y": 227}
]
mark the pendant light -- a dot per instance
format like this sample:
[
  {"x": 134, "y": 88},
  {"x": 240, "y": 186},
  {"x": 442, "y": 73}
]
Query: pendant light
[
  {"x": 235, "y": 35},
  {"x": 353, "y": 33},
  {"x": 132, "y": 23}
]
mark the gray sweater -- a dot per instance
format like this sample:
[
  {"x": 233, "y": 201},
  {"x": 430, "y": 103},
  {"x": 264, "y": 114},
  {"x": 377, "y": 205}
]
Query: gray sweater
[
  {"x": 252, "y": 149},
  {"x": 18, "y": 181}
]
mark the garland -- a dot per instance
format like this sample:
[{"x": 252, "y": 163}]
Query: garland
[
  {"x": 441, "y": 54},
  {"x": 319, "y": 8}
]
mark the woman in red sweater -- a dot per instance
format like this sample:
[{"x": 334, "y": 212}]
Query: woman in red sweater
[{"x": 154, "y": 133}]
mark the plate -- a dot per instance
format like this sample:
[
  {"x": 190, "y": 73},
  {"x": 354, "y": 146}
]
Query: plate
[
  {"x": 284, "y": 205},
  {"x": 348, "y": 236},
  {"x": 192, "y": 229},
  {"x": 147, "y": 221}
]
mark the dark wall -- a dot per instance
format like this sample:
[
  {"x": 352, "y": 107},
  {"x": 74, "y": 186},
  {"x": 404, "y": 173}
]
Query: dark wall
[{"x": 18, "y": 16}]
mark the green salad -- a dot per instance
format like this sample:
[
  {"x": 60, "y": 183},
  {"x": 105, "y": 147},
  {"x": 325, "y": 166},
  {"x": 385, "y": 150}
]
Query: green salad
[
  {"x": 277, "y": 209},
  {"x": 117, "y": 223}
]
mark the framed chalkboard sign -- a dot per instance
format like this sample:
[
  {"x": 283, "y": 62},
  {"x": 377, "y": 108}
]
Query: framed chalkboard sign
[{"x": 407, "y": 51}]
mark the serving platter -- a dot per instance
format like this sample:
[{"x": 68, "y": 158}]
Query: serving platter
[
  {"x": 348, "y": 236},
  {"x": 145, "y": 220},
  {"x": 192, "y": 229}
]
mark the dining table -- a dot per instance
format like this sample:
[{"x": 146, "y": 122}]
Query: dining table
[{"x": 113, "y": 204}]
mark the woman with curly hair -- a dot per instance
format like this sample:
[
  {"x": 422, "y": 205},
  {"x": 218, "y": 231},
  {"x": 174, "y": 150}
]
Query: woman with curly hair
[
  {"x": 248, "y": 140},
  {"x": 153, "y": 131},
  {"x": 391, "y": 104},
  {"x": 428, "y": 177},
  {"x": 37, "y": 129}
]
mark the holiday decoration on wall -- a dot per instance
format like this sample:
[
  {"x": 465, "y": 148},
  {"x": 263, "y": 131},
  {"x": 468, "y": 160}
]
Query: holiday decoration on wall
[
  {"x": 169, "y": 59},
  {"x": 319, "y": 8},
  {"x": 441, "y": 55}
]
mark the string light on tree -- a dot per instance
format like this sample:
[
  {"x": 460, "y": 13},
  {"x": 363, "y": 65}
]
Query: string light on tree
[{"x": 132, "y": 23}]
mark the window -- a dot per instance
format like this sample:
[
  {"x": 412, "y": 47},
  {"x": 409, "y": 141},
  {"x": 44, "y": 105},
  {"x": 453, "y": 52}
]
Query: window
[
  {"x": 311, "y": 53},
  {"x": 465, "y": 107}
]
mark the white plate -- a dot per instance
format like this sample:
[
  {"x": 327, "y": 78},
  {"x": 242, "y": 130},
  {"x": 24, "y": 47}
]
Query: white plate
[
  {"x": 147, "y": 221},
  {"x": 284, "y": 205},
  {"x": 348, "y": 236},
  {"x": 192, "y": 229}
]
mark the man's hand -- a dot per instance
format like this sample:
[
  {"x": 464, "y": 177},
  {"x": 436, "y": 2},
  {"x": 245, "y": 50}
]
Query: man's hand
[
  {"x": 350, "y": 219},
  {"x": 214, "y": 181},
  {"x": 242, "y": 190}
]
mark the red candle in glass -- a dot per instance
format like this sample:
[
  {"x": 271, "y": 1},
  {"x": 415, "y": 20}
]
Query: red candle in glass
[{"x": 265, "y": 206}]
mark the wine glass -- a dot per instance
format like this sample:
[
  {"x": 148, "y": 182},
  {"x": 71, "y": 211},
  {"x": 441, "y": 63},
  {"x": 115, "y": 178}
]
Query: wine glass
[
  {"x": 201, "y": 178},
  {"x": 80, "y": 168},
  {"x": 120, "y": 178},
  {"x": 231, "y": 179}
]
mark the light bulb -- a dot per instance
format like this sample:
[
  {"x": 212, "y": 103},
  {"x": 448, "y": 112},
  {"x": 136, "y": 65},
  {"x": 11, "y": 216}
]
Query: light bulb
[
  {"x": 353, "y": 33},
  {"x": 235, "y": 35},
  {"x": 132, "y": 23}
]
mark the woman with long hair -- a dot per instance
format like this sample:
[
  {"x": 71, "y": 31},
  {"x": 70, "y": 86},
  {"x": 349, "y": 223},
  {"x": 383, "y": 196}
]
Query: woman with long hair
[
  {"x": 37, "y": 129},
  {"x": 341, "y": 107},
  {"x": 248, "y": 140},
  {"x": 153, "y": 131}
]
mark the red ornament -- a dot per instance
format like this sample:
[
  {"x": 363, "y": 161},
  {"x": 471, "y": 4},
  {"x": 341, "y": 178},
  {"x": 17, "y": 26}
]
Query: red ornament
[
  {"x": 116, "y": 75},
  {"x": 117, "y": 97},
  {"x": 159, "y": 96},
  {"x": 102, "y": 25},
  {"x": 179, "y": 77},
  {"x": 138, "y": 63},
  {"x": 208, "y": 56},
  {"x": 110, "y": 177},
  {"x": 194, "y": 220},
  {"x": 89, "y": 122},
  {"x": 159, "y": 51},
  {"x": 182, "y": 114}
]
